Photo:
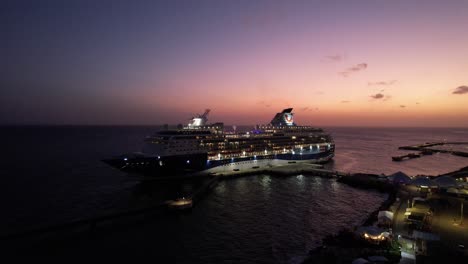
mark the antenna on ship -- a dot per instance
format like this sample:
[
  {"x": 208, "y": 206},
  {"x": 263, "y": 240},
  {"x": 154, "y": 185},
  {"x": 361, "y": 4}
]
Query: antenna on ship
[{"x": 204, "y": 117}]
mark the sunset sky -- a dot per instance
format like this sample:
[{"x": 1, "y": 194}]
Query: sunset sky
[{"x": 337, "y": 63}]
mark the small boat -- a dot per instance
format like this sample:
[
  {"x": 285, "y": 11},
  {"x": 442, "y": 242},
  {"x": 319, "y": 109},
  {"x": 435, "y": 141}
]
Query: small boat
[
  {"x": 180, "y": 204},
  {"x": 407, "y": 156}
]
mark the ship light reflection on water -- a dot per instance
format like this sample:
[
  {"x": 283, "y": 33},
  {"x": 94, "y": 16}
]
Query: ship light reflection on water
[
  {"x": 265, "y": 181},
  {"x": 335, "y": 186}
]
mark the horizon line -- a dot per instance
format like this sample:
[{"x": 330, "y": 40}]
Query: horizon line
[{"x": 225, "y": 125}]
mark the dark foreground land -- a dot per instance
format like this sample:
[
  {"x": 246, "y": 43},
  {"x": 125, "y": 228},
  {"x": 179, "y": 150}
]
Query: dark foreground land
[{"x": 444, "y": 226}]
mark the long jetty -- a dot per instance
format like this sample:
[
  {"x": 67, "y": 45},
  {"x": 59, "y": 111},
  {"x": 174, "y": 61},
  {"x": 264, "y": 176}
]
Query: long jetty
[{"x": 427, "y": 149}]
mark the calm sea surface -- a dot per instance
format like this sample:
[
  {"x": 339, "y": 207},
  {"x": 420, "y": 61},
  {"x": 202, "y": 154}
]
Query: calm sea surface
[{"x": 52, "y": 175}]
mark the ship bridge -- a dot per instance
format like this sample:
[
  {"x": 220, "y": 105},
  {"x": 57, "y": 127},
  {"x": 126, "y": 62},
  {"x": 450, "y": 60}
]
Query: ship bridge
[{"x": 199, "y": 120}]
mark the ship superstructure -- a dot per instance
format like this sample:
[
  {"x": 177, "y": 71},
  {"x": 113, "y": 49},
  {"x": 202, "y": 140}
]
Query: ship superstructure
[{"x": 207, "y": 148}]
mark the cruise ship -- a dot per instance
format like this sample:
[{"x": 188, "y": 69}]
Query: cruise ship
[{"x": 202, "y": 148}]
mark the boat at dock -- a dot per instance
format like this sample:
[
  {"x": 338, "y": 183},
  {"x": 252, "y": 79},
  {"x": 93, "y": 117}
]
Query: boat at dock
[
  {"x": 201, "y": 148},
  {"x": 407, "y": 156}
]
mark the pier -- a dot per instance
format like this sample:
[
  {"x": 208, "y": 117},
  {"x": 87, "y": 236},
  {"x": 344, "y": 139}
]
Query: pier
[
  {"x": 427, "y": 149},
  {"x": 407, "y": 156}
]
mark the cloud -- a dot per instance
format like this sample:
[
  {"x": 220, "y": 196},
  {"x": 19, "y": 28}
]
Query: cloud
[
  {"x": 263, "y": 103},
  {"x": 382, "y": 83},
  {"x": 378, "y": 96},
  {"x": 359, "y": 67},
  {"x": 308, "y": 109},
  {"x": 345, "y": 102},
  {"x": 353, "y": 69},
  {"x": 344, "y": 74},
  {"x": 335, "y": 58},
  {"x": 402, "y": 106},
  {"x": 461, "y": 90},
  {"x": 417, "y": 102}
]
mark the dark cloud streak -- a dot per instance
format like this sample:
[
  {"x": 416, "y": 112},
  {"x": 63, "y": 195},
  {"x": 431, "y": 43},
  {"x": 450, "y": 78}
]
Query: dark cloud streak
[
  {"x": 378, "y": 96},
  {"x": 353, "y": 69},
  {"x": 461, "y": 90},
  {"x": 382, "y": 83},
  {"x": 335, "y": 58}
]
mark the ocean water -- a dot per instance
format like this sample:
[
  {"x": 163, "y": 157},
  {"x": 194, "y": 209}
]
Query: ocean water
[
  {"x": 52, "y": 175},
  {"x": 370, "y": 150}
]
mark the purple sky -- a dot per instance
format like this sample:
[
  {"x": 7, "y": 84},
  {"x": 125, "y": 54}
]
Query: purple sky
[{"x": 378, "y": 63}]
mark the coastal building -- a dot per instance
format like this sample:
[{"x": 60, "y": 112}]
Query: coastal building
[
  {"x": 445, "y": 182},
  {"x": 385, "y": 218},
  {"x": 425, "y": 185},
  {"x": 419, "y": 214},
  {"x": 422, "y": 240},
  {"x": 399, "y": 178}
]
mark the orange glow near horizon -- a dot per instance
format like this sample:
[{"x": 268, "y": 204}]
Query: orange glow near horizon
[{"x": 364, "y": 63}]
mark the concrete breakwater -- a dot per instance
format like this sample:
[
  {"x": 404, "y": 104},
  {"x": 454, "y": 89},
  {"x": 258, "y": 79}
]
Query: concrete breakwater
[
  {"x": 368, "y": 181},
  {"x": 428, "y": 148}
]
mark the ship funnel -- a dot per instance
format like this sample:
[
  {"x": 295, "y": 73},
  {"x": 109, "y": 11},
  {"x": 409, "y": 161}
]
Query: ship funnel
[{"x": 285, "y": 118}]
